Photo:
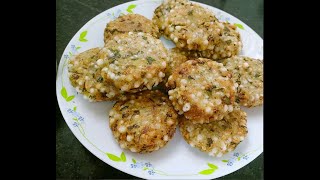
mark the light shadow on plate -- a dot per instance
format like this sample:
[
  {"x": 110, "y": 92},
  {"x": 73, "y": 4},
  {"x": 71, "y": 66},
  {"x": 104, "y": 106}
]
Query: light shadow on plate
[
  {"x": 99, "y": 108},
  {"x": 254, "y": 112},
  {"x": 167, "y": 43}
]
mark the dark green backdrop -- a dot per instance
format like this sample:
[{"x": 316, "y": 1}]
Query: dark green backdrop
[{"x": 73, "y": 161}]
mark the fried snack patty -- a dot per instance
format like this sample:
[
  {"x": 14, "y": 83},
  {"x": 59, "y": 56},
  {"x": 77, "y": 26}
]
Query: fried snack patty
[
  {"x": 247, "y": 73},
  {"x": 161, "y": 12},
  {"x": 134, "y": 61},
  {"x": 202, "y": 90},
  {"x": 196, "y": 29},
  {"x": 176, "y": 58},
  {"x": 145, "y": 122},
  {"x": 217, "y": 137},
  {"x": 130, "y": 23},
  {"x": 85, "y": 75}
]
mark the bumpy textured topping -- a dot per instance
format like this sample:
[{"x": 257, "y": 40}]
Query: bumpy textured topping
[
  {"x": 85, "y": 75},
  {"x": 247, "y": 73},
  {"x": 130, "y": 23},
  {"x": 134, "y": 61},
  {"x": 217, "y": 137},
  {"x": 143, "y": 123},
  {"x": 192, "y": 27},
  {"x": 202, "y": 90}
]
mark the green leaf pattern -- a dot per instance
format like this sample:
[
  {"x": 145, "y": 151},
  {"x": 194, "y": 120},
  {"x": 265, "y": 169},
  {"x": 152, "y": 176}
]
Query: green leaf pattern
[
  {"x": 212, "y": 168},
  {"x": 64, "y": 94},
  {"x": 239, "y": 26},
  {"x": 131, "y": 7},
  {"x": 83, "y": 35},
  {"x": 116, "y": 158}
]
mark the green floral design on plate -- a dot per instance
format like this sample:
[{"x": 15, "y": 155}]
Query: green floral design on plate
[
  {"x": 239, "y": 26},
  {"x": 83, "y": 35},
  {"x": 113, "y": 157},
  {"x": 64, "y": 94},
  {"x": 131, "y": 7},
  {"x": 212, "y": 169}
]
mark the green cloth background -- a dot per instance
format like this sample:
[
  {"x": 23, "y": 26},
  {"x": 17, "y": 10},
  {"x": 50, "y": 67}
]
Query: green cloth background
[{"x": 74, "y": 161}]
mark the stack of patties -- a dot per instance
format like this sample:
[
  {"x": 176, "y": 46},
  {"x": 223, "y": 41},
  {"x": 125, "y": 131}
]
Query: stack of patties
[
  {"x": 202, "y": 95},
  {"x": 208, "y": 94}
]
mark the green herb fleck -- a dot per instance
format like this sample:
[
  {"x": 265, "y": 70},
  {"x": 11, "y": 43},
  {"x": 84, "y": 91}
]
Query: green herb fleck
[
  {"x": 228, "y": 42},
  {"x": 100, "y": 79},
  {"x": 190, "y": 12},
  {"x": 145, "y": 38},
  {"x": 150, "y": 60},
  {"x": 226, "y": 100},
  {"x": 226, "y": 29}
]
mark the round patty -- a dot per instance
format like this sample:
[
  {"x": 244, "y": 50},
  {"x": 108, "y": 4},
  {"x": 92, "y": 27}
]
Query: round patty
[
  {"x": 145, "y": 122},
  {"x": 247, "y": 73},
  {"x": 202, "y": 90},
  {"x": 161, "y": 12},
  {"x": 217, "y": 137},
  {"x": 134, "y": 61},
  {"x": 85, "y": 75},
  {"x": 229, "y": 45},
  {"x": 196, "y": 29},
  {"x": 130, "y": 23}
]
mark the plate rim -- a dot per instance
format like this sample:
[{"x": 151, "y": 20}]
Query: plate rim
[{"x": 86, "y": 144}]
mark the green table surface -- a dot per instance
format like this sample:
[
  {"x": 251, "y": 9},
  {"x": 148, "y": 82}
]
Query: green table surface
[{"x": 74, "y": 161}]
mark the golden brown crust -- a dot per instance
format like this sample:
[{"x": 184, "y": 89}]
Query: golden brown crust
[
  {"x": 217, "y": 137},
  {"x": 134, "y": 61},
  {"x": 130, "y": 23},
  {"x": 247, "y": 73},
  {"x": 143, "y": 123},
  {"x": 85, "y": 76},
  {"x": 202, "y": 90}
]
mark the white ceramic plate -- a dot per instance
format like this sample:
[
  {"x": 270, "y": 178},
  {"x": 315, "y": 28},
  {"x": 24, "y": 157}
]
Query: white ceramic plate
[{"x": 177, "y": 160}]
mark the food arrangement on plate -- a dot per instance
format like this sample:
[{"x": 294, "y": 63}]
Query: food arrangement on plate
[{"x": 203, "y": 80}]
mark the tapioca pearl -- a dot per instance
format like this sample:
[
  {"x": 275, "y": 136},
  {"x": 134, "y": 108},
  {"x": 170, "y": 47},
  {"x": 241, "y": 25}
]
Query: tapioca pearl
[
  {"x": 80, "y": 82},
  {"x": 125, "y": 88},
  {"x": 225, "y": 108},
  {"x": 186, "y": 107},
  {"x": 245, "y": 65},
  {"x": 140, "y": 33},
  {"x": 166, "y": 138},
  {"x": 172, "y": 36},
  {"x": 111, "y": 94},
  {"x": 161, "y": 74},
  {"x": 132, "y": 149},
  {"x": 230, "y": 108},
  {"x": 122, "y": 129},
  {"x": 183, "y": 81},
  {"x": 199, "y": 94},
  {"x": 170, "y": 122},
  {"x": 205, "y": 101},
  {"x": 78, "y": 89},
  {"x": 199, "y": 137},
  {"x": 123, "y": 145},
  {"x": 112, "y": 120},
  {"x": 92, "y": 90},
  {"x": 149, "y": 75},
  {"x": 129, "y": 138},
  {"x": 208, "y": 110}
]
